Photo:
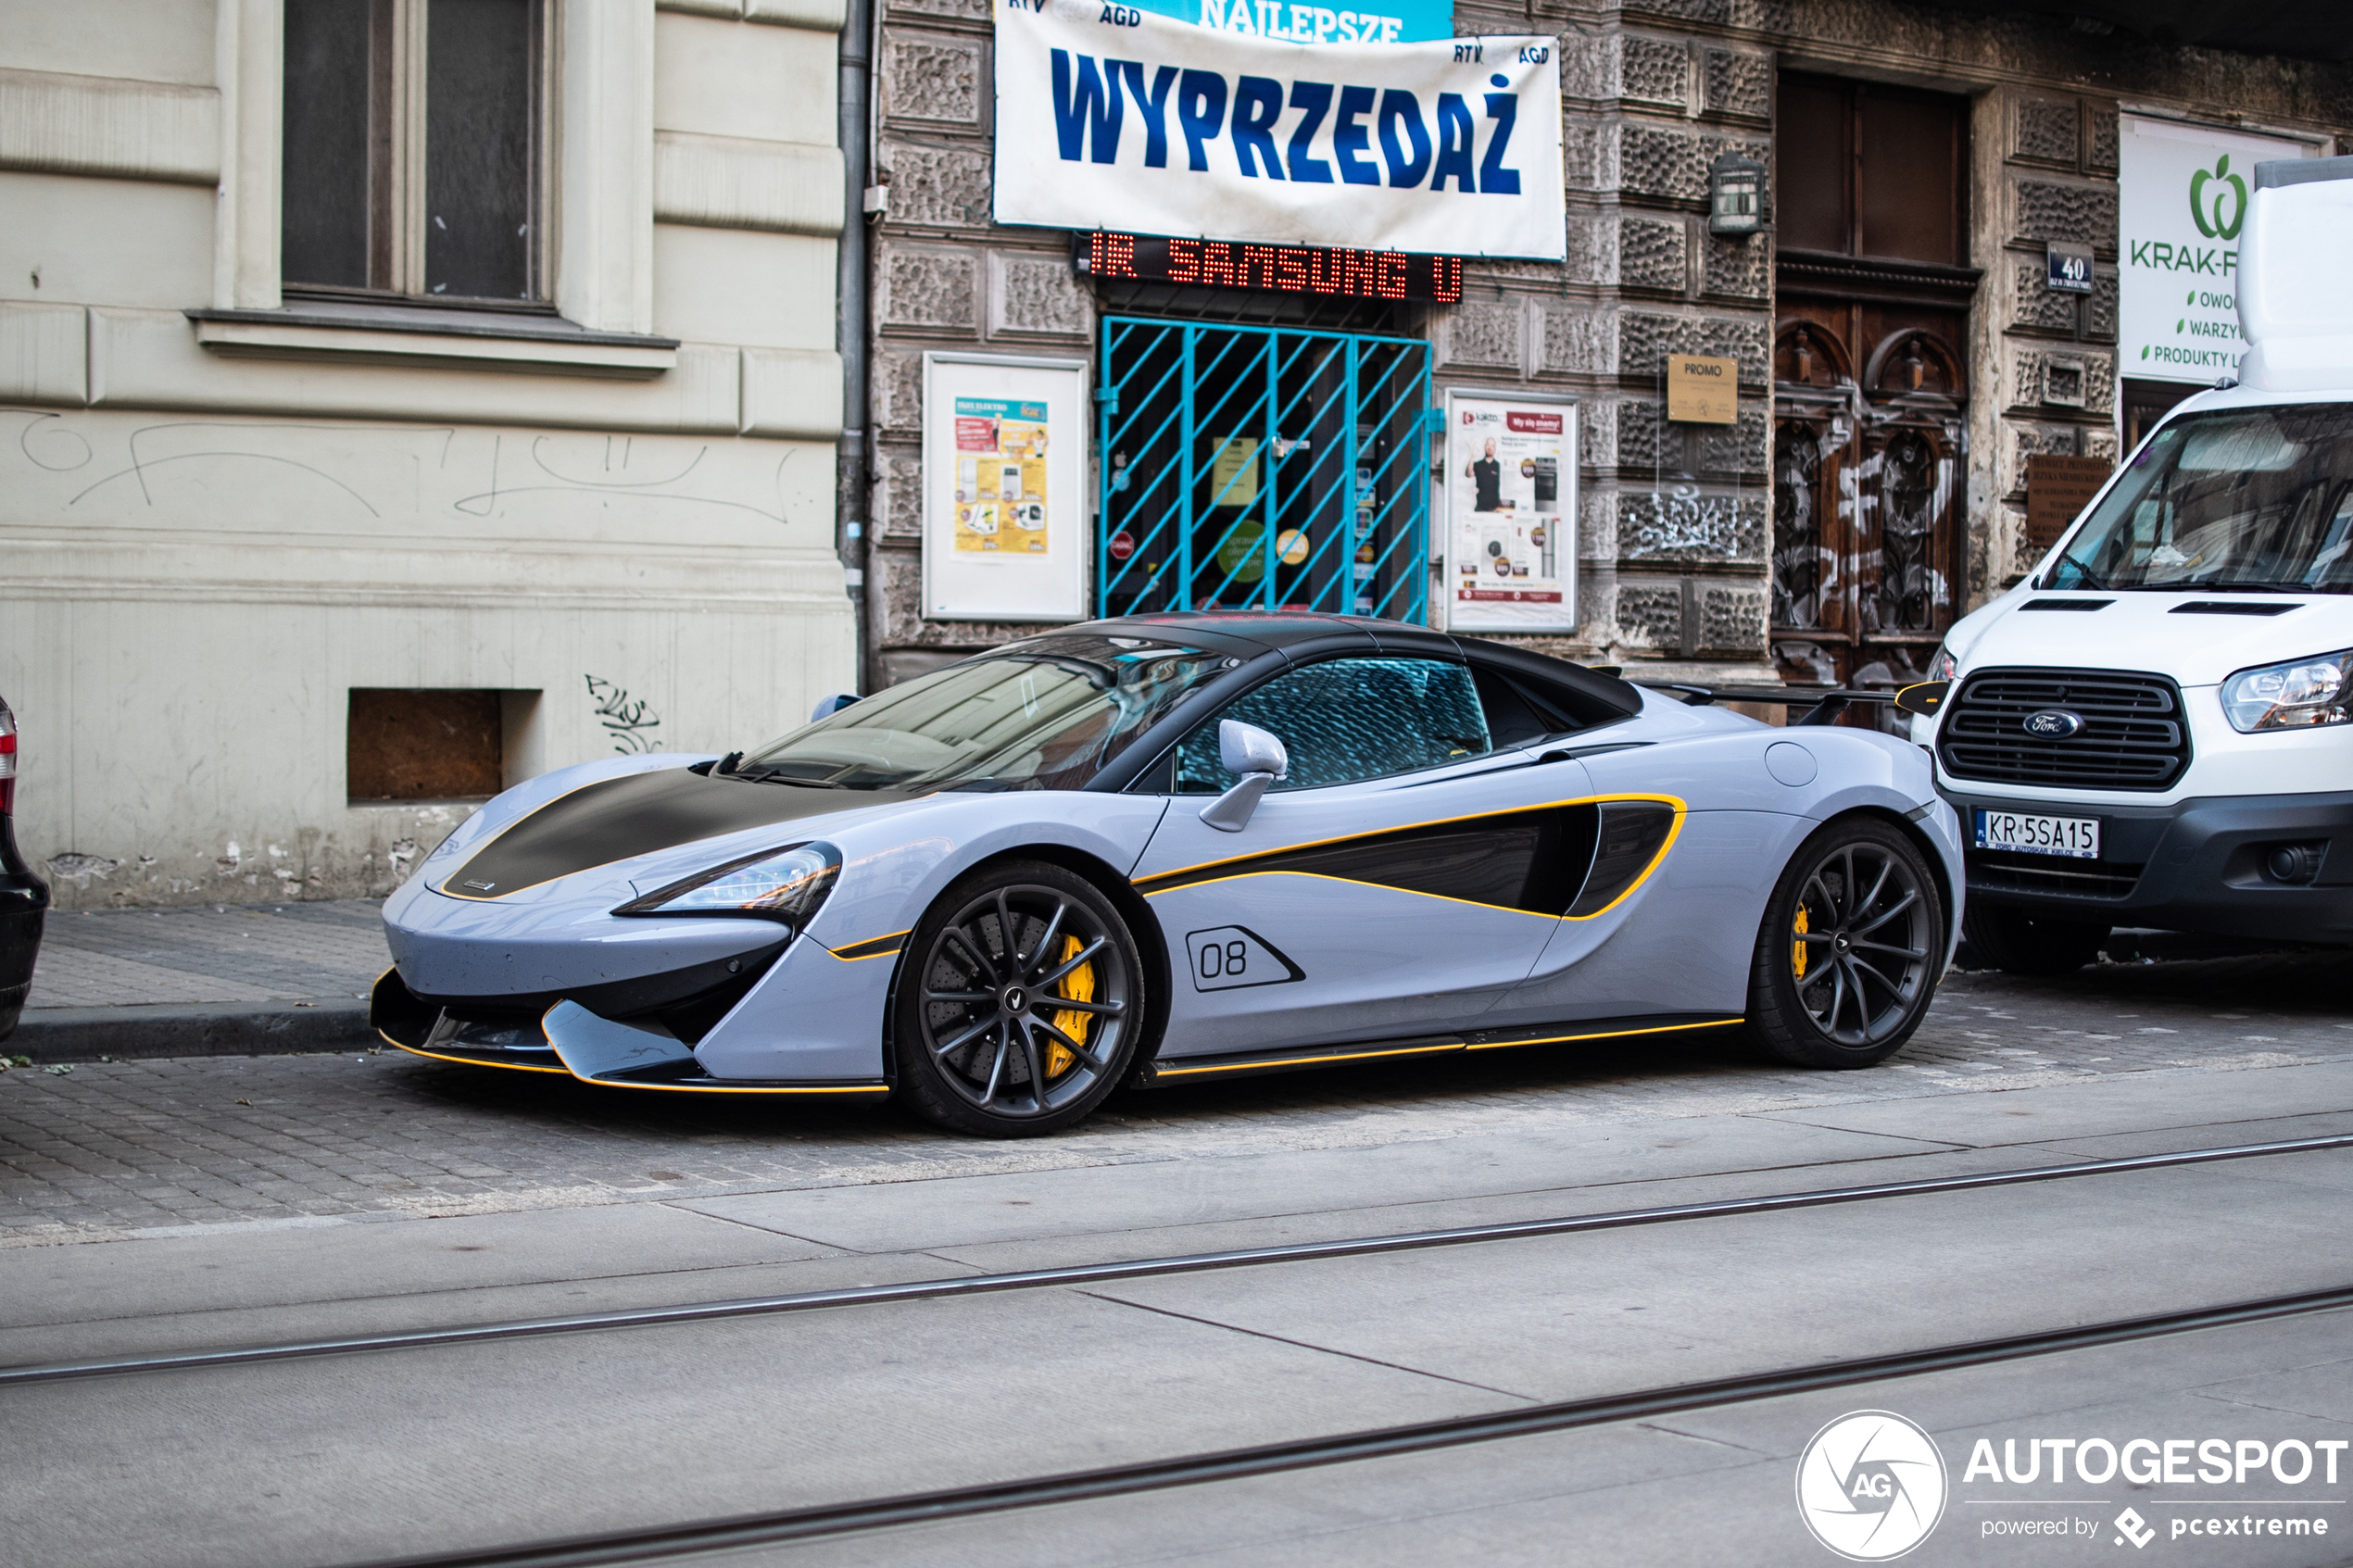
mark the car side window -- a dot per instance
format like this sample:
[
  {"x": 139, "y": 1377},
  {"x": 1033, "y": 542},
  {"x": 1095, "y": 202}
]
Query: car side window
[{"x": 1349, "y": 719}]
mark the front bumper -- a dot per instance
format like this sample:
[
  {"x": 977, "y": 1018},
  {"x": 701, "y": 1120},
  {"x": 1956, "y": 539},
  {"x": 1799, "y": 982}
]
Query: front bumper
[
  {"x": 566, "y": 1039},
  {"x": 2198, "y": 865}
]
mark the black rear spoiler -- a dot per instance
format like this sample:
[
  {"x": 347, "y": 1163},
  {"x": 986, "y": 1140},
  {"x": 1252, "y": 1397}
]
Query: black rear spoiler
[{"x": 1822, "y": 704}]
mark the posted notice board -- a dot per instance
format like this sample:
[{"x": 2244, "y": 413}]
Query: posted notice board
[
  {"x": 1004, "y": 488},
  {"x": 1510, "y": 519},
  {"x": 2058, "y": 489}
]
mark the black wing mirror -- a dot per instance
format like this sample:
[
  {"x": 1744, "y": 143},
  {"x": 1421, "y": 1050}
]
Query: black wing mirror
[{"x": 1925, "y": 698}]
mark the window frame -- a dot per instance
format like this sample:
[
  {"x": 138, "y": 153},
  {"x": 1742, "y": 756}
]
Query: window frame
[
  {"x": 397, "y": 162},
  {"x": 1851, "y": 93},
  {"x": 1163, "y": 771}
]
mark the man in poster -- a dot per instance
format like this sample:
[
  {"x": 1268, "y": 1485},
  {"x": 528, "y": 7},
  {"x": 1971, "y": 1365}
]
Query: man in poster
[{"x": 1487, "y": 478}]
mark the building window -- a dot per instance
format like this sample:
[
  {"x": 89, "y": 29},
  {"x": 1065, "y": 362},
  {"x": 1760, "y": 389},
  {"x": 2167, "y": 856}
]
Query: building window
[
  {"x": 415, "y": 148},
  {"x": 1871, "y": 170}
]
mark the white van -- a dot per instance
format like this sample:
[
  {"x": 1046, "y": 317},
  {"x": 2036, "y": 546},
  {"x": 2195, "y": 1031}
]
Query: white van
[{"x": 2154, "y": 727}]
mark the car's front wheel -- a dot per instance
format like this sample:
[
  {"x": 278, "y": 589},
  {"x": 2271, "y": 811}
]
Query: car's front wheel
[
  {"x": 1849, "y": 952},
  {"x": 1020, "y": 1004}
]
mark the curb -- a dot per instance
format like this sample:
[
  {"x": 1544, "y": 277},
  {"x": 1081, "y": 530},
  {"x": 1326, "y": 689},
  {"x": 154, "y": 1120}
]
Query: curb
[{"x": 131, "y": 1034}]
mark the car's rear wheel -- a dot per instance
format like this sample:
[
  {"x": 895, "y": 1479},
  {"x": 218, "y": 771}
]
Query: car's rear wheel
[
  {"x": 1847, "y": 957},
  {"x": 2018, "y": 942},
  {"x": 1020, "y": 1003}
]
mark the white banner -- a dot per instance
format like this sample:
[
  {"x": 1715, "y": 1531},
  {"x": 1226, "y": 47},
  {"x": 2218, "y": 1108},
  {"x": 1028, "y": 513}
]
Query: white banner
[
  {"x": 1511, "y": 512},
  {"x": 2182, "y": 194},
  {"x": 1109, "y": 117}
]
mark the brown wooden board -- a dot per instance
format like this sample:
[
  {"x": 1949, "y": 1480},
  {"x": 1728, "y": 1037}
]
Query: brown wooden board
[
  {"x": 433, "y": 745},
  {"x": 2056, "y": 490}
]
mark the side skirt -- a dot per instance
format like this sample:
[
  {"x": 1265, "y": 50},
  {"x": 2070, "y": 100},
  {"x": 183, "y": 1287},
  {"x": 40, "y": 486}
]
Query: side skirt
[{"x": 1246, "y": 1064}]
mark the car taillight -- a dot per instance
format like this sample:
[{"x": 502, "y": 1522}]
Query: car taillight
[{"x": 7, "y": 760}]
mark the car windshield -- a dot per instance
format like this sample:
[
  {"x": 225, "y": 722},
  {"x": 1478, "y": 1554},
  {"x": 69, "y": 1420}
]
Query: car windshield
[
  {"x": 1047, "y": 714},
  {"x": 2243, "y": 501}
]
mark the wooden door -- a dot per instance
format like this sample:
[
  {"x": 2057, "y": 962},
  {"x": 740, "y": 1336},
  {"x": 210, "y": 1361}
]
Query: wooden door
[{"x": 1867, "y": 486}]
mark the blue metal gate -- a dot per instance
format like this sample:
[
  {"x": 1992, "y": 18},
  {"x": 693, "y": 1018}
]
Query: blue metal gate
[{"x": 1261, "y": 468}]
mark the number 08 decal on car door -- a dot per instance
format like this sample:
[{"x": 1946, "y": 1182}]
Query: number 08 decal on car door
[{"x": 1226, "y": 958}]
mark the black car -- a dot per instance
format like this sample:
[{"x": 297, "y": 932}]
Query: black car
[{"x": 24, "y": 897}]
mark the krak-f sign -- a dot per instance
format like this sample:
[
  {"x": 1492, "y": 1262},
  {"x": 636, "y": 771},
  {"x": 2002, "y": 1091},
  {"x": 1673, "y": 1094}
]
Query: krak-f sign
[{"x": 1109, "y": 117}]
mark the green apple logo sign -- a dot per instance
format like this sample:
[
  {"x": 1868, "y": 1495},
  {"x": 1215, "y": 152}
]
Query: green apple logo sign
[{"x": 2201, "y": 201}]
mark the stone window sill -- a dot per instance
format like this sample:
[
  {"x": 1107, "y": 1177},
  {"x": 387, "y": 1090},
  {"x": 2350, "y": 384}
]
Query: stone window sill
[{"x": 425, "y": 337}]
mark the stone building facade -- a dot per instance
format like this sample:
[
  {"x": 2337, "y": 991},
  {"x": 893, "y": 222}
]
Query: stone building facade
[{"x": 1896, "y": 506}]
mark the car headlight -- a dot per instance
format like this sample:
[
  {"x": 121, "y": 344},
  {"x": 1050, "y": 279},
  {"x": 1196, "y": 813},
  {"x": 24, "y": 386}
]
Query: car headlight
[
  {"x": 1941, "y": 665},
  {"x": 786, "y": 885},
  {"x": 2295, "y": 696}
]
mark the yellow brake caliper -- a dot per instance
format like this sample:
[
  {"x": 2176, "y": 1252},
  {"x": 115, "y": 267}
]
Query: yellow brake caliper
[
  {"x": 1797, "y": 947},
  {"x": 1078, "y": 986}
]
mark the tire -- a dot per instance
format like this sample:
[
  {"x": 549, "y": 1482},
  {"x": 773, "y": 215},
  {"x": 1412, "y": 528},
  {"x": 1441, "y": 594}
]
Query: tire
[
  {"x": 1851, "y": 949},
  {"x": 2018, "y": 942},
  {"x": 970, "y": 1045}
]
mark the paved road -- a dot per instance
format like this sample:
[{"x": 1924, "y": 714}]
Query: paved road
[{"x": 297, "y": 1215}]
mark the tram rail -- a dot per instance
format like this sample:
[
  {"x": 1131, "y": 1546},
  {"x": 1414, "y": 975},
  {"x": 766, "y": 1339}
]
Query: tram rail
[
  {"x": 1140, "y": 1268},
  {"x": 787, "y": 1526}
]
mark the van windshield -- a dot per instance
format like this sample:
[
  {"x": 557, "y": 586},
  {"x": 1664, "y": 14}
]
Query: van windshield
[
  {"x": 1047, "y": 714},
  {"x": 2240, "y": 500}
]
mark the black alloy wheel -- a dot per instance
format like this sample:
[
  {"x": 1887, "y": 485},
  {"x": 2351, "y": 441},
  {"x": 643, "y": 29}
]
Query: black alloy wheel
[
  {"x": 1020, "y": 1003},
  {"x": 1851, "y": 949}
]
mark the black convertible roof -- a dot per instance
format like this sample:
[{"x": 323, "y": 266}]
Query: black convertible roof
[{"x": 1297, "y": 633}]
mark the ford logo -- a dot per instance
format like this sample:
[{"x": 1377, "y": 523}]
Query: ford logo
[{"x": 2053, "y": 723}]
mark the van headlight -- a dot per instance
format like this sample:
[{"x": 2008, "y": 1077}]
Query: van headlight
[
  {"x": 786, "y": 885},
  {"x": 2295, "y": 696}
]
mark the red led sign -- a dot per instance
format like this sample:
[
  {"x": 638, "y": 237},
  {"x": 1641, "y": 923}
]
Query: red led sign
[{"x": 1352, "y": 274}]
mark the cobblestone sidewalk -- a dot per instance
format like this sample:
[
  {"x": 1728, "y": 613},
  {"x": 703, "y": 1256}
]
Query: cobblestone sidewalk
[
  {"x": 113, "y": 1149},
  {"x": 237, "y": 953}
]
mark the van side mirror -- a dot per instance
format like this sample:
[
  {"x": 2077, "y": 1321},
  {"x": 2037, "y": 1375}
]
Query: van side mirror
[
  {"x": 1925, "y": 698},
  {"x": 1260, "y": 760}
]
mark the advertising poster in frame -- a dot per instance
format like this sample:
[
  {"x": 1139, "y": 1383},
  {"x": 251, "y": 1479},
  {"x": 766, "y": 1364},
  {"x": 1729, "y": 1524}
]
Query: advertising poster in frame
[
  {"x": 1005, "y": 504},
  {"x": 2183, "y": 190},
  {"x": 1510, "y": 517}
]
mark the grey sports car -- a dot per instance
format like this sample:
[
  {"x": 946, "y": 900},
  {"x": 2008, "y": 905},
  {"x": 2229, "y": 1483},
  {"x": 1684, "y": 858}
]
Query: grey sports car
[{"x": 1176, "y": 847}]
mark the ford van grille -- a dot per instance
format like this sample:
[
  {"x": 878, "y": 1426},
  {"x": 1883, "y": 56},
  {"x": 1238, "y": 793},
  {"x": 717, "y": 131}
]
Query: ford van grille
[{"x": 2133, "y": 735}]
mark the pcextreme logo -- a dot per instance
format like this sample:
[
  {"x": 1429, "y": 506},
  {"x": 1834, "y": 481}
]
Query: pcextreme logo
[{"x": 1870, "y": 1485}]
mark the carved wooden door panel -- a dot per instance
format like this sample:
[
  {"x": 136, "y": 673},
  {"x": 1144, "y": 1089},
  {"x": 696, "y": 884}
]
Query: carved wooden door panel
[
  {"x": 1814, "y": 398},
  {"x": 1908, "y": 507}
]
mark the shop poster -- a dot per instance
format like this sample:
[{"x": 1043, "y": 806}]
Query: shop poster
[
  {"x": 1001, "y": 475},
  {"x": 2182, "y": 193},
  {"x": 1510, "y": 513},
  {"x": 1004, "y": 471}
]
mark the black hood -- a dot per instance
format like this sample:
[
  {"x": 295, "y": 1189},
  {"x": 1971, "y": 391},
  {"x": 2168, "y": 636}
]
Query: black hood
[{"x": 637, "y": 814}]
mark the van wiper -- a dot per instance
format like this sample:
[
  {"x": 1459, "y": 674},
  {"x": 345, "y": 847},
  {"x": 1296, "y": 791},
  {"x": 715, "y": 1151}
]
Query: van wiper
[
  {"x": 2241, "y": 585},
  {"x": 2088, "y": 575}
]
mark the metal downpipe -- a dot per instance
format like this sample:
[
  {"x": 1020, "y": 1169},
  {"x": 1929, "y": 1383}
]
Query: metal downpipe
[{"x": 853, "y": 480}]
